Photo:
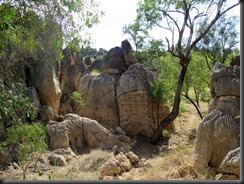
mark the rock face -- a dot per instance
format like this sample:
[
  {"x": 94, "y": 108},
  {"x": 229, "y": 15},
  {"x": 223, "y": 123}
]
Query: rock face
[
  {"x": 119, "y": 96},
  {"x": 219, "y": 77},
  {"x": 72, "y": 67},
  {"x": 99, "y": 95},
  {"x": 75, "y": 131},
  {"x": 44, "y": 77},
  {"x": 113, "y": 62},
  {"x": 219, "y": 131},
  {"x": 135, "y": 106},
  {"x": 231, "y": 163}
]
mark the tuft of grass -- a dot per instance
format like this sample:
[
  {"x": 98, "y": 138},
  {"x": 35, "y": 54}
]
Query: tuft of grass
[{"x": 94, "y": 160}]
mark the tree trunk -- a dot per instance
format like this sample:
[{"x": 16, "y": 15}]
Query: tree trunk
[
  {"x": 196, "y": 106},
  {"x": 175, "y": 111}
]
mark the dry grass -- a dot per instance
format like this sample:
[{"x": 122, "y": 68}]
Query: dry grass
[
  {"x": 172, "y": 164},
  {"x": 85, "y": 168}
]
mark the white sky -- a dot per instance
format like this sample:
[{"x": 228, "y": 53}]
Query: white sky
[{"x": 108, "y": 33}]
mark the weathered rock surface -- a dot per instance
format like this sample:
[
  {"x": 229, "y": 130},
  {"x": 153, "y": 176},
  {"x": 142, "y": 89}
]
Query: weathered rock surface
[
  {"x": 121, "y": 163},
  {"x": 75, "y": 131},
  {"x": 219, "y": 77},
  {"x": 219, "y": 132},
  {"x": 99, "y": 95},
  {"x": 137, "y": 112},
  {"x": 231, "y": 163},
  {"x": 119, "y": 96},
  {"x": 128, "y": 53},
  {"x": 44, "y": 77},
  {"x": 113, "y": 62},
  {"x": 227, "y": 104}
]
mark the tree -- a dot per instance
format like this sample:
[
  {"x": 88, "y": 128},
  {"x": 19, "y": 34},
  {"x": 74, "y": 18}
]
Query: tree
[
  {"x": 28, "y": 141},
  {"x": 196, "y": 78},
  {"x": 220, "y": 43},
  {"x": 137, "y": 34},
  {"x": 147, "y": 48},
  {"x": 181, "y": 17}
]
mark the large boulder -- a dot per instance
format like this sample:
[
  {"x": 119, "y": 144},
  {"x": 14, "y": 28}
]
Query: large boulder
[
  {"x": 119, "y": 96},
  {"x": 128, "y": 53},
  {"x": 137, "y": 112},
  {"x": 44, "y": 77},
  {"x": 113, "y": 61},
  {"x": 75, "y": 132},
  {"x": 227, "y": 104},
  {"x": 219, "y": 132},
  {"x": 231, "y": 163},
  {"x": 99, "y": 95},
  {"x": 218, "y": 80},
  {"x": 216, "y": 136}
]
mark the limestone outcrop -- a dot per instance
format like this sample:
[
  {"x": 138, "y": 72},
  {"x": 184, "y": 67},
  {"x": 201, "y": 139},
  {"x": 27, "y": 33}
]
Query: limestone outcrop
[
  {"x": 44, "y": 77},
  {"x": 219, "y": 132},
  {"x": 99, "y": 95},
  {"x": 119, "y": 163},
  {"x": 75, "y": 132},
  {"x": 230, "y": 166},
  {"x": 137, "y": 112},
  {"x": 119, "y": 96}
]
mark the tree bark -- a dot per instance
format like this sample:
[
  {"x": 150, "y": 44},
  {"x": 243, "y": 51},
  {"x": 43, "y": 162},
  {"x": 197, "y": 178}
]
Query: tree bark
[
  {"x": 198, "y": 111},
  {"x": 175, "y": 111}
]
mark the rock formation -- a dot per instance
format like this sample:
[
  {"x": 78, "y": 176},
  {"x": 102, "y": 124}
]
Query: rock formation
[
  {"x": 118, "y": 99},
  {"x": 119, "y": 96},
  {"x": 230, "y": 167},
  {"x": 75, "y": 132},
  {"x": 44, "y": 77},
  {"x": 119, "y": 163},
  {"x": 219, "y": 132}
]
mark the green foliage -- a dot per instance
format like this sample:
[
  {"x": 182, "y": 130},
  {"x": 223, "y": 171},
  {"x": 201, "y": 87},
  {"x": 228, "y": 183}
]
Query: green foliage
[
  {"x": 166, "y": 78},
  {"x": 28, "y": 141},
  {"x": 77, "y": 98},
  {"x": 92, "y": 52},
  {"x": 219, "y": 45},
  {"x": 197, "y": 76},
  {"x": 72, "y": 16},
  {"x": 14, "y": 105},
  {"x": 182, "y": 108}
]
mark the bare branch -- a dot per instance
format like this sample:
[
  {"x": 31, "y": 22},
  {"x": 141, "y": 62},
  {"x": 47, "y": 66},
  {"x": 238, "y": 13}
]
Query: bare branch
[
  {"x": 204, "y": 32},
  {"x": 168, "y": 15}
]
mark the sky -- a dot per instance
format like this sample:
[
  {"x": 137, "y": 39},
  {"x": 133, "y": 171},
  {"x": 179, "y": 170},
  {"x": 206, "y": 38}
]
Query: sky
[{"x": 108, "y": 33}]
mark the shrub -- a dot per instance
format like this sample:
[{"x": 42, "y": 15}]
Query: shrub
[
  {"x": 28, "y": 141},
  {"x": 76, "y": 97}
]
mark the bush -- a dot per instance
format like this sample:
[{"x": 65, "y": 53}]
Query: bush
[
  {"x": 76, "y": 97},
  {"x": 28, "y": 141},
  {"x": 14, "y": 105}
]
